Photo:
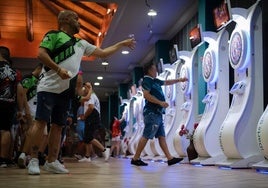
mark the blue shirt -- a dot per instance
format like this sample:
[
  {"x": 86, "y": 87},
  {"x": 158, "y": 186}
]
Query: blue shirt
[{"x": 153, "y": 85}]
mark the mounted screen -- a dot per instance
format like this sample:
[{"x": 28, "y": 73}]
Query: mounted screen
[
  {"x": 221, "y": 14},
  {"x": 195, "y": 36},
  {"x": 173, "y": 55}
]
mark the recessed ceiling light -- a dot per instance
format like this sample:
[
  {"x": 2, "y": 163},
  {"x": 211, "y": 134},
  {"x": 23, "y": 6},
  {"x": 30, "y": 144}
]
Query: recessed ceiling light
[
  {"x": 96, "y": 84},
  {"x": 105, "y": 63},
  {"x": 99, "y": 77},
  {"x": 125, "y": 52},
  {"x": 152, "y": 12}
]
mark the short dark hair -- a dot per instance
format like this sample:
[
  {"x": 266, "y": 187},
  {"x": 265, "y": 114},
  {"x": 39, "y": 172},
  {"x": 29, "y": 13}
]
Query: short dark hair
[
  {"x": 5, "y": 53},
  {"x": 147, "y": 67}
]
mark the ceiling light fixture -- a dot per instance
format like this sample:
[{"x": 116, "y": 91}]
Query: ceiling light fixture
[
  {"x": 99, "y": 77},
  {"x": 152, "y": 12},
  {"x": 125, "y": 52},
  {"x": 105, "y": 63},
  {"x": 96, "y": 84}
]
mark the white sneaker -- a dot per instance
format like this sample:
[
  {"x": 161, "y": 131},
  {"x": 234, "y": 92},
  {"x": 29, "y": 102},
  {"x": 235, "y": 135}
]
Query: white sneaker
[
  {"x": 106, "y": 154},
  {"x": 55, "y": 167},
  {"x": 22, "y": 160},
  {"x": 84, "y": 160},
  {"x": 33, "y": 167},
  {"x": 77, "y": 156}
]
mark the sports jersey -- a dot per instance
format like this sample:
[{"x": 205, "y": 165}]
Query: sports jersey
[
  {"x": 30, "y": 82},
  {"x": 68, "y": 58},
  {"x": 153, "y": 85}
]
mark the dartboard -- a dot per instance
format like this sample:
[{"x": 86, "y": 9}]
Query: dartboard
[
  {"x": 184, "y": 73},
  {"x": 236, "y": 48},
  {"x": 207, "y": 65}
]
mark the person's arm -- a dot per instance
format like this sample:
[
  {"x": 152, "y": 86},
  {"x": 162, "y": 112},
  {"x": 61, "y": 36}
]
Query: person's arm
[
  {"x": 89, "y": 110},
  {"x": 25, "y": 103},
  {"x": 20, "y": 100},
  {"x": 174, "y": 81},
  {"x": 98, "y": 52},
  {"x": 152, "y": 99},
  {"x": 79, "y": 84},
  {"x": 47, "y": 61}
]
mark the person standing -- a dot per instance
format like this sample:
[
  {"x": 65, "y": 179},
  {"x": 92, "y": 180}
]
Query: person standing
[
  {"x": 153, "y": 110},
  {"x": 61, "y": 54},
  {"x": 92, "y": 124},
  {"x": 116, "y": 136},
  {"x": 11, "y": 103},
  {"x": 29, "y": 83}
]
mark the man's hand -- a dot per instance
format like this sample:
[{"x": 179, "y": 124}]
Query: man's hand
[
  {"x": 63, "y": 73},
  {"x": 164, "y": 104}
]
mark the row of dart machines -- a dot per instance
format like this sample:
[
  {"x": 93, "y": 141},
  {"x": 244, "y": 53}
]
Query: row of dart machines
[{"x": 228, "y": 135}]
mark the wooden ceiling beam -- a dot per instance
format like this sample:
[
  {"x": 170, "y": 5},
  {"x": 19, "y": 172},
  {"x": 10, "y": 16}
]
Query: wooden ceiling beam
[
  {"x": 94, "y": 8},
  {"x": 84, "y": 11},
  {"x": 83, "y": 15},
  {"x": 93, "y": 37},
  {"x": 29, "y": 20},
  {"x": 53, "y": 9}
]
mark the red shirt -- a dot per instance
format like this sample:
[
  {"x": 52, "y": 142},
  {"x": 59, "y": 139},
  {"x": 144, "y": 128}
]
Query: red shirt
[{"x": 116, "y": 130}]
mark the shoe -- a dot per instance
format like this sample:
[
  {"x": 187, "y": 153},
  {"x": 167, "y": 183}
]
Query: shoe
[
  {"x": 94, "y": 157},
  {"x": 85, "y": 160},
  {"x": 174, "y": 160},
  {"x": 138, "y": 162},
  {"x": 22, "y": 160},
  {"x": 106, "y": 154},
  {"x": 77, "y": 156},
  {"x": 3, "y": 163},
  {"x": 55, "y": 167},
  {"x": 33, "y": 167},
  {"x": 61, "y": 161}
]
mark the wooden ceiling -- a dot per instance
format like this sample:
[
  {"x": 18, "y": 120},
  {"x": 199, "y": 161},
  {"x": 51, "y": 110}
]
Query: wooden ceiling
[{"x": 23, "y": 23}]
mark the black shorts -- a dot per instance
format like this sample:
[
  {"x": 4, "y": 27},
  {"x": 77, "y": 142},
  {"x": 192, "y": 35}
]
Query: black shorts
[
  {"x": 7, "y": 115},
  {"x": 92, "y": 124}
]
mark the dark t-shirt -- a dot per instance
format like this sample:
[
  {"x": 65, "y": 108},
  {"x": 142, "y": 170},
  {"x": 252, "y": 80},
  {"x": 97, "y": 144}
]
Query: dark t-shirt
[
  {"x": 8, "y": 83},
  {"x": 153, "y": 85}
]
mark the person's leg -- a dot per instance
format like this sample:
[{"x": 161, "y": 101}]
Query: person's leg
[
  {"x": 117, "y": 148},
  {"x": 5, "y": 145},
  {"x": 96, "y": 143},
  {"x": 160, "y": 134},
  {"x": 26, "y": 132},
  {"x": 91, "y": 125},
  {"x": 86, "y": 158},
  {"x": 141, "y": 145},
  {"x": 163, "y": 145},
  {"x": 54, "y": 140},
  {"x": 7, "y": 114},
  {"x": 113, "y": 147},
  {"x": 36, "y": 139}
]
